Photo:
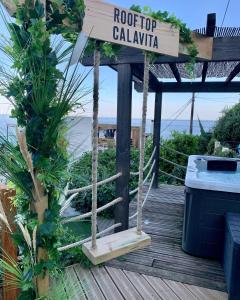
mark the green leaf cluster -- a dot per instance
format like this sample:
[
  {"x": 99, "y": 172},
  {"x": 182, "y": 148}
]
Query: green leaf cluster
[
  {"x": 185, "y": 32},
  {"x": 65, "y": 17},
  {"x": 42, "y": 96},
  {"x": 227, "y": 128},
  {"x": 165, "y": 16},
  {"x": 181, "y": 142},
  {"x": 81, "y": 173}
]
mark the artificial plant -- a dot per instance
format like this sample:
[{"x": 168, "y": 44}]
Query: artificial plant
[
  {"x": 43, "y": 90},
  {"x": 185, "y": 32}
]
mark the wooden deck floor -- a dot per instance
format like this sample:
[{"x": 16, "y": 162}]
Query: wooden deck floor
[
  {"x": 106, "y": 283},
  {"x": 164, "y": 258},
  {"x": 161, "y": 271}
]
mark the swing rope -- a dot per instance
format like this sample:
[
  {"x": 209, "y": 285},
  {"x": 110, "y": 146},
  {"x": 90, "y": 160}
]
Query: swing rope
[
  {"x": 142, "y": 143},
  {"x": 95, "y": 143},
  {"x": 141, "y": 181},
  {"x": 146, "y": 197}
]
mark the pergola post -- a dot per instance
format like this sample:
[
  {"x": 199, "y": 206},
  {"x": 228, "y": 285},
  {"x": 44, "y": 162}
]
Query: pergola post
[
  {"x": 124, "y": 112},
  {"x": 156, "y": 135}
]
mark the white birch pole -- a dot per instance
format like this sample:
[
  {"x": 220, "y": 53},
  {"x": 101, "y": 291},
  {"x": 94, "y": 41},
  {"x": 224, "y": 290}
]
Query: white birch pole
[{"x": 142, "y": 143}]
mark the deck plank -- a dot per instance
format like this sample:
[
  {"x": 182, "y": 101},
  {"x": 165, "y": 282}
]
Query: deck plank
[
  {"x": 125, "y": 285},
  {"x": 161, "y": 288},
  {"x": 164, "y": 258},
  {"x": 76, "y": 287},
  {"x": 89, "y": 284},
  {"x": 206, "y": 294},
  {"x": 182, "y": 292},
  {"x": 142, "y": 286},
  {"x": 107, "y": 286},
  {"x": 170, "y": 275},
  {"x": 107, "y": 283}
]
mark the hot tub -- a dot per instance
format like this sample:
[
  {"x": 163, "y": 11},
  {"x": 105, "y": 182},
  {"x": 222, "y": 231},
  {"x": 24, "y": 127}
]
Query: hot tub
[{"x": 212, "y": 190}]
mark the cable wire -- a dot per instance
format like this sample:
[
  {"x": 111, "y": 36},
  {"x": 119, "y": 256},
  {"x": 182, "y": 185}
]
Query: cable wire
[
  {"x": 172, "y": 121},
  {"x": 226, "y": 10}
]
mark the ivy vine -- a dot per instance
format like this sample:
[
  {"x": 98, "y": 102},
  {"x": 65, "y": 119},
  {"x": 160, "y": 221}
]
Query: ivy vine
[
  {"x": 185, "y": 32},
  {"x": 42, "y": 96}
]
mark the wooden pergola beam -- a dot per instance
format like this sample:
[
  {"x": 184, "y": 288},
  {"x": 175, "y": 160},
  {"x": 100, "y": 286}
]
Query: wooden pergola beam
[
  {"x": 124, "y": 111},
  {"x": 204, "y": 71},
  {"x": 211, "y": 25},
  {"x": 234, "y": 73},
  {"x": 138, "y": 72},
  {"x": 224, "y": 49},
  {"x": 10, "y": 6},
  {"x": 210, "y": 30},
  {"x": 175, "y": 71},
  {"x": 194, "y": 87}
]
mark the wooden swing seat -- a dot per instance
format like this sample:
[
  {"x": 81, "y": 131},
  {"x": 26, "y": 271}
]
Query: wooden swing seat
[{"x": 115, "y": 245}]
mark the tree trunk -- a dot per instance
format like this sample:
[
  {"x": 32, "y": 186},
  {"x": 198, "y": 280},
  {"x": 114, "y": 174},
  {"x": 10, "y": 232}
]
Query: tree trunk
[{"x": 41, "y": 205}]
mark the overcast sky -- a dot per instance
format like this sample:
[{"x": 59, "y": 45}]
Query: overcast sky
[{"x": 194, "y": 14}]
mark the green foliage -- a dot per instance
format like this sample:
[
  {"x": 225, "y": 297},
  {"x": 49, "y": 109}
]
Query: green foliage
[
  {"x": 181, "y": 142},
  {"x": 165, "y": 16},
  {"x": 65, "y": 17},
  {"x": 185, "y": 32},
  {"x": 71, "y": 234},
  {"x": 227, "y": 128},
  {"x": 204, "y": 139},
  {"x": 81, "y": 173},
  {"x": 16, "y": 277},
  {"x": 42, "y": 97},
  {"x": 229, "y": 154},
  {"x": 107, "y": 49},
  {"x": 63, "y": 288}
]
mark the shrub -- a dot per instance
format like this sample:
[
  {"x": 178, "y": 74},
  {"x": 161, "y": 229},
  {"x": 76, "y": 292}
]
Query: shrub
[
  {"x": 81, "y": 173},
  {"x": 82, "y": 169},
  {"x": 227, "y": 129},
  {"x": 181, "y": 142},
  {"x": 71, "y": 233}
]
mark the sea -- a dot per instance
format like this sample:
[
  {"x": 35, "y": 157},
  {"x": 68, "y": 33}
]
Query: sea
[
  {"x": 168, "y": 126},
  {"x": 7, "y": 125}
]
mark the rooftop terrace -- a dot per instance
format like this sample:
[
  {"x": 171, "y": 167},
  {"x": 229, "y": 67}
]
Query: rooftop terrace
[{"x": 162, "y": 270}]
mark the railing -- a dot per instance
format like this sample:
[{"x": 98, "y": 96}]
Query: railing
[
  {"x": 76, "y": 244},
  {"x": 89, "y": 214},
  {"x": 170, "y": 175},
  {"x": 145, "y": 180},
  {"x": 147, "y": 165},
  {"x": 89, "y": 187},
  {"x": 74, "y": 193},
  {"x": 173, "y": 163},
  {"x": 173, "y": 150},
  {"x": 146, "y": 197}
]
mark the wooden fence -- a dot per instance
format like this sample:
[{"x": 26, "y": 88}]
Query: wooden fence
[{"x": 8, "y": 246}]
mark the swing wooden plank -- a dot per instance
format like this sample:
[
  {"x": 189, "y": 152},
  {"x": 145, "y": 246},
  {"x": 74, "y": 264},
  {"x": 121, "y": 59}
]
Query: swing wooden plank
[{"x": 116, "y": 245}]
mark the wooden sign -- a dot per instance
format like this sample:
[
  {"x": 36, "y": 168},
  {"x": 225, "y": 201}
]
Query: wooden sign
[
  {"x": 113, "y": 24},
  {"x": 203, "y": 43}
]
